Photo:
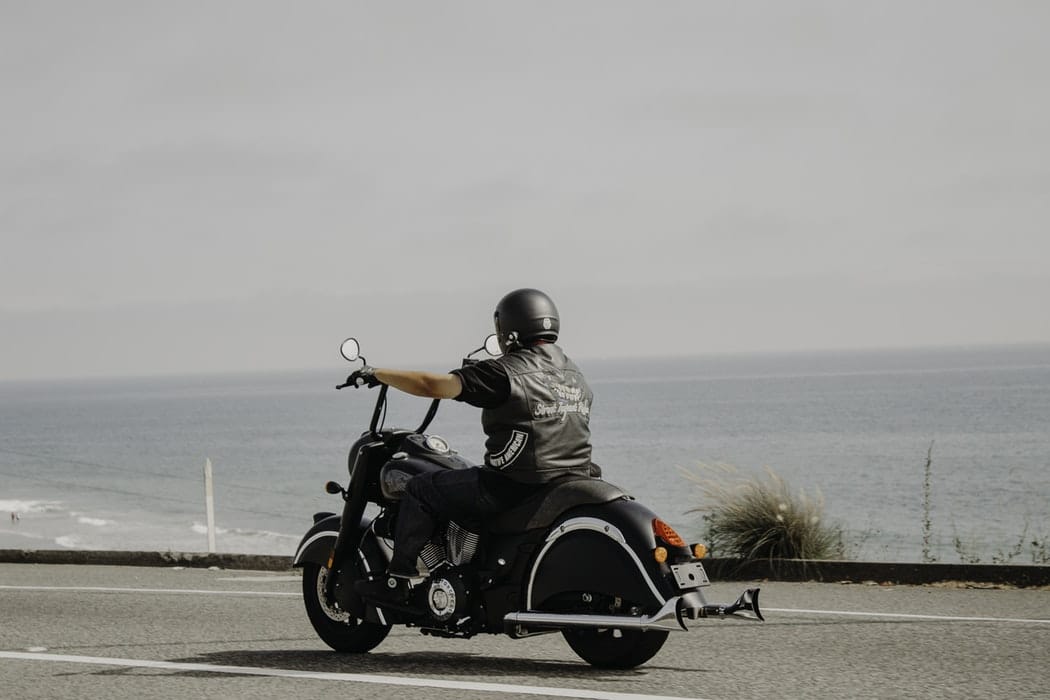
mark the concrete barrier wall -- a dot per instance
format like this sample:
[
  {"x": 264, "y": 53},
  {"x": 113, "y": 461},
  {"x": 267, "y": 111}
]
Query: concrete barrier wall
[
  {"x": 717, "y": 569},
  {"x": 881, "y": 572},
  {"x": 256, "y": 562}
]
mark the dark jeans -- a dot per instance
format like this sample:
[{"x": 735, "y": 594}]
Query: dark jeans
[{"x": 468, "y": 496}]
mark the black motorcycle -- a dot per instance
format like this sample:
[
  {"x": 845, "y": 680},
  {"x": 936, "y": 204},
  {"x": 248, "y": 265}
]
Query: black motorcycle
[{"x": 580, "y": 557}]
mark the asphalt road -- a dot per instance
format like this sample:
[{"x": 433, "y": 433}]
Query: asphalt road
[{"x": 127, "y": 632}]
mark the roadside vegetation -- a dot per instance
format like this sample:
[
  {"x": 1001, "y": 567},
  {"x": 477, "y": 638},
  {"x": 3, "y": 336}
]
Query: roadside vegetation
[
  {"x": 761, "y": 517},
  {"x": 1026, "y": 550},
  {"x": 750, "y": 517}
]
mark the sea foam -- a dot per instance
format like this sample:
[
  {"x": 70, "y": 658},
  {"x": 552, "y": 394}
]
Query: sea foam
[
  {"x": 97, "y": 522},
  {"x": 22, "y": 507}
]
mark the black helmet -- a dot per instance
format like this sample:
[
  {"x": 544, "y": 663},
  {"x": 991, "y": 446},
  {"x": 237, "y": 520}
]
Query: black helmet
[{"x": 525, "y": 315}]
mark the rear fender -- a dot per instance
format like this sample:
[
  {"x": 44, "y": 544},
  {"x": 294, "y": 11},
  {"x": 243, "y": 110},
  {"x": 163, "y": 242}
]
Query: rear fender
[{"x": 605, "y": 549}]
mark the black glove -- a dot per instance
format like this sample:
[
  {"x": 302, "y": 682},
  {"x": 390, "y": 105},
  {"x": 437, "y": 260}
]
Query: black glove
[{"x": 366, "y": 376}]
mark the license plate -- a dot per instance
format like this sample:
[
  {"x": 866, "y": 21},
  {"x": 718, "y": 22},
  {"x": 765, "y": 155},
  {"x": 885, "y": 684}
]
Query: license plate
[{"x": 690, "y": 575}]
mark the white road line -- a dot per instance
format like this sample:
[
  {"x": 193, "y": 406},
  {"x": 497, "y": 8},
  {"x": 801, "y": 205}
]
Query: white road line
[
  {"x": 283, "y": 594},
  {"x": 905, "y": 616},
  {"x": 173, "y": 591},
  {"x": 344, "y": 677}
]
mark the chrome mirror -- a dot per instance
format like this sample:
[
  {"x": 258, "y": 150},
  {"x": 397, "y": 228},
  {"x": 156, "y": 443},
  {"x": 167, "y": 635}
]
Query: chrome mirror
[
  {"x": 350, "y": 349},
  {"x": 492, "y": 345}
]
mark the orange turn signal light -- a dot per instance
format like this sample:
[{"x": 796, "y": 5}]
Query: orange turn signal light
[
  {"x": 699, "y": 550},
  {"x": 660, "y": 555},
  {"x": 666, "y": 533}
]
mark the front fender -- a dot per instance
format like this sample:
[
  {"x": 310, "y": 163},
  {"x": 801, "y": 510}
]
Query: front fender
[
  {"x": 316, "y": 545},
  {"x": 367, "y": 555},
  {"x": 605, "y": 549}
]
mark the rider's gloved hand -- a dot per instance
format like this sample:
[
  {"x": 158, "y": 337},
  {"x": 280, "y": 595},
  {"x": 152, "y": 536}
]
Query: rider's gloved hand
[{"x": 366, "y": 376}]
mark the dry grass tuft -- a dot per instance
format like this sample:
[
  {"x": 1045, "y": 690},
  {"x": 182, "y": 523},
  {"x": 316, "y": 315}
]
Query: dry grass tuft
[{"x": 755, "y": 518}]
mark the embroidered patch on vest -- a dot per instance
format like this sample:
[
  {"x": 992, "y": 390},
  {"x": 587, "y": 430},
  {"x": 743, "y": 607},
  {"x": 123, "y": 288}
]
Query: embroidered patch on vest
[{"x": 510, "y": 452}]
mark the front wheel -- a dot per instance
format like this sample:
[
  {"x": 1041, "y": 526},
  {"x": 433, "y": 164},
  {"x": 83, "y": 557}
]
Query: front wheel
[
  {"x": 613, "y": 648},
  {"x": 338, "y": 628}
]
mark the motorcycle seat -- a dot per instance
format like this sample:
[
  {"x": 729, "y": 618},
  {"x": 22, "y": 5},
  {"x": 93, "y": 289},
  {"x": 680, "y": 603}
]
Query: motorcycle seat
[{"x": 542, "y": 509}]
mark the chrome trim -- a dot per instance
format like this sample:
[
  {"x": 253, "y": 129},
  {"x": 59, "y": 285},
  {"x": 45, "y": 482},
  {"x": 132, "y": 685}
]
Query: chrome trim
[
  {"x": 368, "y": 570},
  {"x": 595, "y": 525},
  {"x": 692, "y": 605},
  {"x": 666, "y": 618},
  {"x": 305, "y": 545}
]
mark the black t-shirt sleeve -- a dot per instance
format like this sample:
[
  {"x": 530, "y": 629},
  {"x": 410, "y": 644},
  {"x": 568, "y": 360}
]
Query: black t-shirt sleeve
[{"x": 486, "y": 384}]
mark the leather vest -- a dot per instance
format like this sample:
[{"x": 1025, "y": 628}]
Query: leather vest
[{"x": 542, "y": 431}]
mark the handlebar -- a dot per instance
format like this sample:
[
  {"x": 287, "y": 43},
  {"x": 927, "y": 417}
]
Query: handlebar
[
  {"x": 351, "y": 350},
  {"x": 431, "y": 412},
  {"x": 380, "y": 409}
]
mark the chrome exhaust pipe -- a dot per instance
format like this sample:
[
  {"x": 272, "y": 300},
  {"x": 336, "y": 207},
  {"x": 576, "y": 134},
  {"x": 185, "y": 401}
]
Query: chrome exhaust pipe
[
  {"x": 746, "y": 607},
  {"x": 670, "y": 617},
  {"x": 666, "y": 618}
]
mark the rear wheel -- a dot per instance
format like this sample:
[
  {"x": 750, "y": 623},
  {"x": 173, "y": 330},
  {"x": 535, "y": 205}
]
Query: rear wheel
[
  {"x": 607, "y": 647},
  {"x": 335, "y": 625},
  {"x": 612, "y": 648}
]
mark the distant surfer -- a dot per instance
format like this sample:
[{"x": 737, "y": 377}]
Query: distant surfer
[{"x": 14, "y": 517}]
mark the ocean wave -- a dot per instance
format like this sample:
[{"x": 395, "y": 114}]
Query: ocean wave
[
  {"x": 202, "y": 529},
  {"x": 68, "y": 542},
  {"x": 23, "y": 507},
  {"x": 97, "y": 522}
]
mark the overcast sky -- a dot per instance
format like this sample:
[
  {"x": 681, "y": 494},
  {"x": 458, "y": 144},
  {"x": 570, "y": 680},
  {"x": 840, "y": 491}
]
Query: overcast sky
[{"x": 212, "y": 186}]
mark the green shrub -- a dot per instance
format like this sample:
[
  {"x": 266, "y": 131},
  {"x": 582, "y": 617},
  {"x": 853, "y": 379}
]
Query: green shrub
[{"x": 755, "y": 518}]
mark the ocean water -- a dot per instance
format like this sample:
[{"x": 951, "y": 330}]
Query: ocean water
[{"x": 117, "y": 464}]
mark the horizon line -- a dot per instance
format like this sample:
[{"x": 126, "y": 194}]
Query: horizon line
[{"x": 671, "y": 356}]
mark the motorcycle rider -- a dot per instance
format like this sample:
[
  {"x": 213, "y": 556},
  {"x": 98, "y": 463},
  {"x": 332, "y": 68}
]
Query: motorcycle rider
[{"x": 535, "y": 413}]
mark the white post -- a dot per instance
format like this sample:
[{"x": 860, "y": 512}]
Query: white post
[{"x": 209, "y": 505}]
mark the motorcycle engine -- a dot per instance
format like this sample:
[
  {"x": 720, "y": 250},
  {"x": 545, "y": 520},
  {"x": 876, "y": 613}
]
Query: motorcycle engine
[
  {"x": 457, "y": 547},
  {"x": 446, "y": 598},
  {"x": 461, "y": 544}
]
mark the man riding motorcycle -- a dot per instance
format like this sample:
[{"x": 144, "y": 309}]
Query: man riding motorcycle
[{"x": 535, "y": 413}]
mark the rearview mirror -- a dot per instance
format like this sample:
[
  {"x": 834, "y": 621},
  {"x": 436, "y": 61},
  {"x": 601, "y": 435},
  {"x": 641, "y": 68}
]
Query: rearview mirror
[
  {"x": 492, "y": 345},
  {"x": 350, "y": 349}
]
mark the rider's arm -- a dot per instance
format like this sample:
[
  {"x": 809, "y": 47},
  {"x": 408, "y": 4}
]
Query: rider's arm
[
  {"x": 425, "y": 384},
  {"x": 486, "y": 384}
]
